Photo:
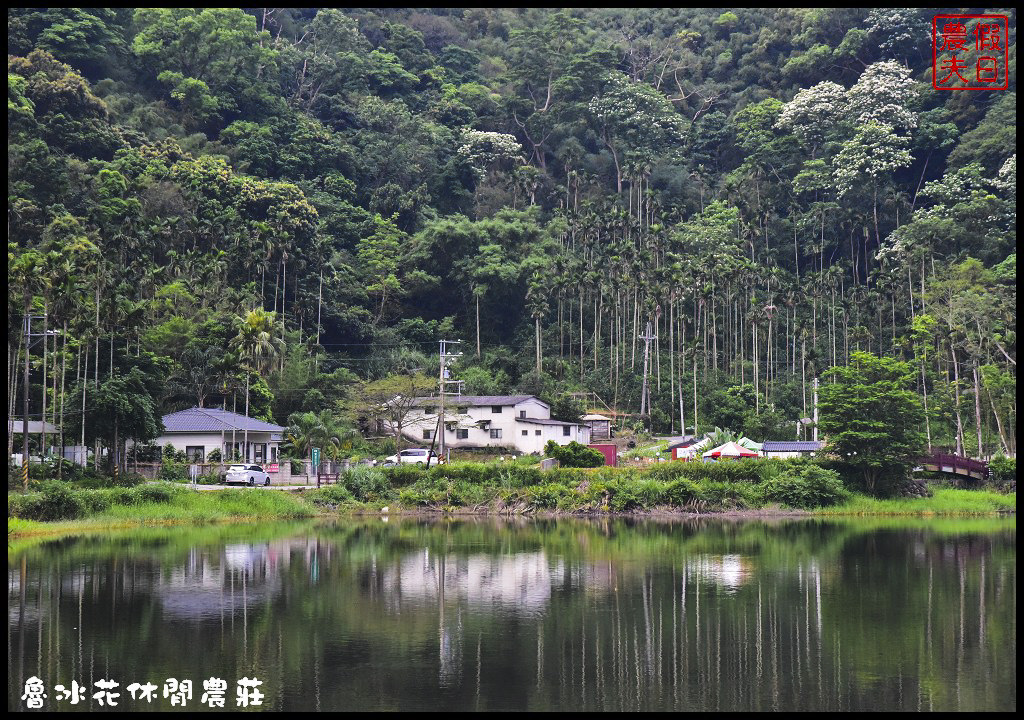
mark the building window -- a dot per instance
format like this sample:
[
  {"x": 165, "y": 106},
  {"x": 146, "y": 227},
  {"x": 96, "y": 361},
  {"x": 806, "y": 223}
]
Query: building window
[
  {"x": 496, "y": 409},
  {"x": 536, "y": 432},
  {"x": 496, "y": 434},
  {"x": 525, "y": 433},
  {"x": 461, "y": 433},
  {"x": 522, "y": 413},
  {"x": 461, "y": 410},
  {"x": 565, "y": 430},
  {"x": 428, "y": 410},
  {"x": 195, "y": 453},
  {"x": 259, "y": 452},
  {"x": 428, "y": 434}
]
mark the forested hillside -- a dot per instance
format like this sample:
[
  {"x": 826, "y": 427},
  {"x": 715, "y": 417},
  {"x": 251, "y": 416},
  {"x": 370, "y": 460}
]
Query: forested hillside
[{"x": 289, "y": 207}]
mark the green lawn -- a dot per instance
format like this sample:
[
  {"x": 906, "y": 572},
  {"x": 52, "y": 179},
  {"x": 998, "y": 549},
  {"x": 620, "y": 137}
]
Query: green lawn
[{"x": 944, "y": 501}]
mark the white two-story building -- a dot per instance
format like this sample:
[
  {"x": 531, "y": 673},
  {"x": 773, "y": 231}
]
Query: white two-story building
[{"x": 521, "y": 422}]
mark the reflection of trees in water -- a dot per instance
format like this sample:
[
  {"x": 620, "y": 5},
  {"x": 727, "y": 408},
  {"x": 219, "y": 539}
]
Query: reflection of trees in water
[{"x": 538, "y": 616}]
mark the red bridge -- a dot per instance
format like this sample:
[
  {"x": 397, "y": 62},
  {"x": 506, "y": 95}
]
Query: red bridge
[{"x": 954, "y": 465}]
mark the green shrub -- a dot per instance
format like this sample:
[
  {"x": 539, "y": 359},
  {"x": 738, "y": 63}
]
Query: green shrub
[
  {"x": 728, "y": 471},
  {"x": 1002, "y": 471},
  {"x": 475, "y": 473},
  {"x": 367, "y": 484},
  {"x": 57, "y": 501},
  {"x": 807, "y": 486},
  {"x": 330, "y": 496},
  {"x": 171, "y": 471},
  {"x": 509, "y": 475},
  {"x": 96, "y": 501},
  {"x": 682, "y": 493},
  {"x": 402, "y": 475},
  {"x": 633, "y": 494},
  {"x": 574, "y": 455},
  {"x": 156, "y": 493},
  {"x": 546, "y": 496}
]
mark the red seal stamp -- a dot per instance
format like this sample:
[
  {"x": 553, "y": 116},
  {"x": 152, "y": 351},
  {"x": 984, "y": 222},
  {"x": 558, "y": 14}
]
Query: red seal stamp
[{"x": 970, "y": 52}]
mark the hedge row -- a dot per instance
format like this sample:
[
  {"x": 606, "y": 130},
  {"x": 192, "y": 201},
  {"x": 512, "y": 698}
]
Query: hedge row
[
  {"x": 62, "y": 501},
  {"x": 793, "y": 483}
]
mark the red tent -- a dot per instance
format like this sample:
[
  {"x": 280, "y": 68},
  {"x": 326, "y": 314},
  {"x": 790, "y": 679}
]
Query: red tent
[{"x": 730, "y": 450}]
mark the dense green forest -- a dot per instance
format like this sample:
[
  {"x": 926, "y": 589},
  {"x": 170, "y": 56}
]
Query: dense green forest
[{"x": 286, "y": 208}]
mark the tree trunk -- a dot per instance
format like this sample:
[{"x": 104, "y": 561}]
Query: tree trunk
[
  {"x": 537, "y": 332},
  {"x": 63, "y": 374},
  {"x": 977, "y": 409},
  {"x": 999, "y": 425},
  {"x": 245, "y": 437},
  {"x": 956, "y": 387},
  {"x": 42, "y": 415}
]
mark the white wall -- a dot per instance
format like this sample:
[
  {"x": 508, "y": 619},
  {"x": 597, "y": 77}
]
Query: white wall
[
  {"x": 212, "y": 441},
  {"x": 511, "y": 431}
]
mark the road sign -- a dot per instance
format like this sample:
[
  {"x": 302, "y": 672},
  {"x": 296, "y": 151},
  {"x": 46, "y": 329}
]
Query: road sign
[{"x": 316, "y": 458}]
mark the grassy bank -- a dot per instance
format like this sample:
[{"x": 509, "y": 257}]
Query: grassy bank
[
  {"x": 944, "y": 501},
  {"x": 60, "y": 507},
  {"x": 748, "y": 487}
]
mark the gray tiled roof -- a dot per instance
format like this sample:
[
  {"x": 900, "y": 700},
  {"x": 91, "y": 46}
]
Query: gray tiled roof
[
  {"x": 199, "y": 420},
  {"x": 538, "y": 421},
  {"x": 792, "y": 445},
  {"x": 681, "y": 441},
  {"x": 475, "y": 400}
]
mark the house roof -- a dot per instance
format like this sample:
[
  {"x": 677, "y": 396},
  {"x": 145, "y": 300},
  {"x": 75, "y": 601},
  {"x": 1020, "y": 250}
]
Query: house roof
[
  {"x": 682, "y": 441},
  {"x": 476, "y": 400},
  {"x": 538, "y": 421},
  {"x": 595, "y": 417},
  {"x": 199, "y": 420},
  {"x": 792, "y": 445},
  {"x": 35, "y": 427}
]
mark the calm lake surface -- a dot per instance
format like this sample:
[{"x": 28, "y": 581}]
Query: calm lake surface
[{"x": 528, "y": 615}]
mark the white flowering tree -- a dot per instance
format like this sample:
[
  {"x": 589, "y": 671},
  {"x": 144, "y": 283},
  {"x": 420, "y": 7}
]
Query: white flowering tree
[
  {"x": 485, "y": 151},
  {"x": 636, "y": 123},
  {"x": 886, "y": 94},
  {"x": 867, "y": 160},
  {"x": 813, "y": 113}
]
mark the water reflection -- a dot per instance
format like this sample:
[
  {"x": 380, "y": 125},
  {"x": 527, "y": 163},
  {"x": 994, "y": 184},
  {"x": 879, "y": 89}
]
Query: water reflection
[
  {"x": 612, "y": 615},
  {"x": 727, "y": 571}
]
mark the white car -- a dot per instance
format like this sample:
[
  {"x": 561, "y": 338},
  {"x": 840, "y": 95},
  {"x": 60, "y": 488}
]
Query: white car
[
  {"x": 246, "y": 475},
  {"x": 418, "y": 456}
]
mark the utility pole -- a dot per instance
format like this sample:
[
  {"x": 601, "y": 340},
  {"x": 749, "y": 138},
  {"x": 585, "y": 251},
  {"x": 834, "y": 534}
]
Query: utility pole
[
  {"x": 645, "y": 393},
  {"x": 445, "y": 359},
  {"x": 27, "y": 330},
  {"x": 815, "y": 435}
]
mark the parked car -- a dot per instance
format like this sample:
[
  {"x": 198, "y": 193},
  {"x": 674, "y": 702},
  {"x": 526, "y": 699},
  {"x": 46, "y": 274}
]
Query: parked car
[
  {"x": 413, "y": 455},
  {"x": 246, "y": 475}
]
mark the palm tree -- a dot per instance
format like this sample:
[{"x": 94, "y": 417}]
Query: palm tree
[
  {"x": 308, "y": 430},
  {"x": 258, "y": 348}
]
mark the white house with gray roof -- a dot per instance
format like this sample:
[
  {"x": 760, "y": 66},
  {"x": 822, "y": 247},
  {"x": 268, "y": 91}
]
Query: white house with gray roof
[
  {"x": 522, "y": 422},
  {"x": 198, "y": 431}
]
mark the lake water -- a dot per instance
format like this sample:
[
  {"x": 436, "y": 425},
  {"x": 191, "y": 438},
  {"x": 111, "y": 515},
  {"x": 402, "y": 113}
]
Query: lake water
[{"x": 485, "y": 614}]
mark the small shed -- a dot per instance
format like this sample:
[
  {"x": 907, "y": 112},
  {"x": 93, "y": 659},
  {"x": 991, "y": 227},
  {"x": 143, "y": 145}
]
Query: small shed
[
  {"x": 791, "y": 448},
  {"x": 609, "y": 450},
  {"x": 600, "y": 426},
  {"x": 682, "y": 448}
]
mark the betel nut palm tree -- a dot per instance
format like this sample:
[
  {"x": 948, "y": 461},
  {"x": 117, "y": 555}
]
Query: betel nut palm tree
[{"x": 258, "y": 347}]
